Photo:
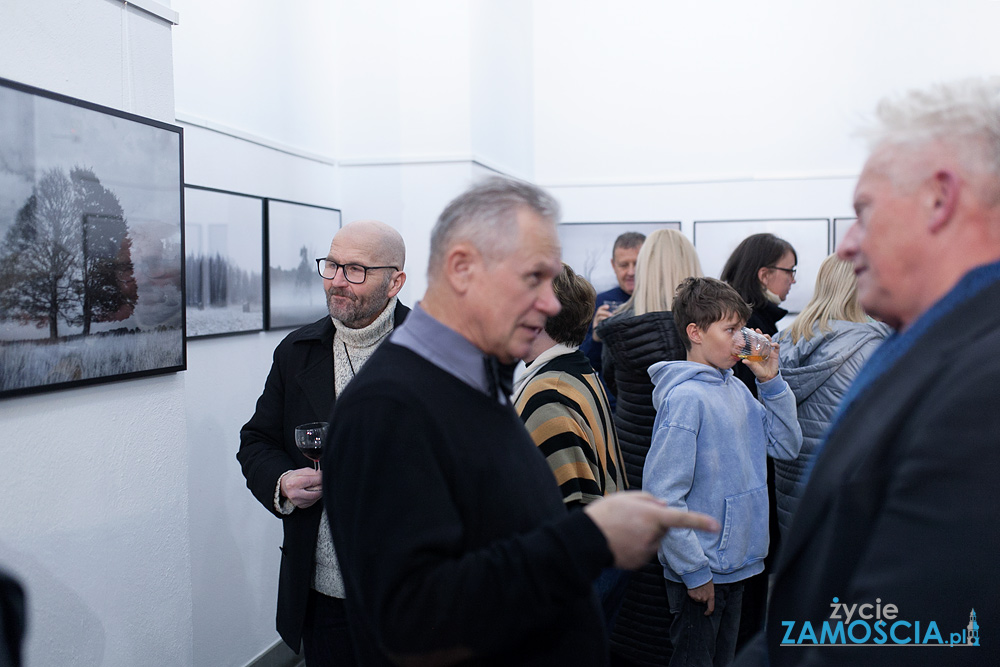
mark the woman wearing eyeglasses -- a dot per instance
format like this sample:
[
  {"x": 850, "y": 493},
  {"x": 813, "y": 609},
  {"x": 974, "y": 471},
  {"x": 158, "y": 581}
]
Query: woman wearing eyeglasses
[{"x": 762, "y": 270}]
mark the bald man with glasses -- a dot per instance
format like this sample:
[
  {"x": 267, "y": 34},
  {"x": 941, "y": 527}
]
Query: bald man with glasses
[{"x": 362, "y": 274}]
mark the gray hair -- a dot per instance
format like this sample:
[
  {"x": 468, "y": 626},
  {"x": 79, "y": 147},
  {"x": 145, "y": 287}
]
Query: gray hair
[
  {"x": 964, "y": 114},
  {"x": 486, "y": 216},
  {"x": 628, "y": 241}
]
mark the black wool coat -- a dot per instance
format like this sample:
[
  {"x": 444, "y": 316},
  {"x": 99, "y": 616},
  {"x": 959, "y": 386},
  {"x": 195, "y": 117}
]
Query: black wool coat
[{"x": 299, "y": 389}]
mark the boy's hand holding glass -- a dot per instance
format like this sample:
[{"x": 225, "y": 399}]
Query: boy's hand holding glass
[{"x": 758, "y": 352}]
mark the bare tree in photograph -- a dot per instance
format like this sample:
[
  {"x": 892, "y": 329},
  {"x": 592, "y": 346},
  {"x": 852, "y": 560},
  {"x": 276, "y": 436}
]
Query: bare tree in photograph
[
  {"x": 39, "y": 256},
  {"x": 68, "y": 255},
  {"x": 592, "y": 257}
]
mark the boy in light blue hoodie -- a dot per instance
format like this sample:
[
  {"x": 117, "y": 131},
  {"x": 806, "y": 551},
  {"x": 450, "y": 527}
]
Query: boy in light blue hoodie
[{"x": 708, "y": 453}]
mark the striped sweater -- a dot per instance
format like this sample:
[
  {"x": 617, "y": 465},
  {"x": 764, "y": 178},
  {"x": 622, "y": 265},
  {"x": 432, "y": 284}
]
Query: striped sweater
[{"x": 565, "y": 409}]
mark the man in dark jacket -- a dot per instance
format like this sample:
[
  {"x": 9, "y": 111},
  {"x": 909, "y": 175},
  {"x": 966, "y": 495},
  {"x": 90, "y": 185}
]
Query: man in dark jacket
[
  {"x": 361, "y": 276},
  {"x": 895, "y": 540}
]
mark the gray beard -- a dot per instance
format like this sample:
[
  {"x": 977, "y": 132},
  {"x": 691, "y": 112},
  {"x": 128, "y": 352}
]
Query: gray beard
[{"x": 360, "y": 312}]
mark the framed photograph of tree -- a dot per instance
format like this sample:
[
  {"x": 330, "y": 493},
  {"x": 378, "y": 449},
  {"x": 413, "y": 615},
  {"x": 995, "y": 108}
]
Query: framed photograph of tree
[
  {"x": 587, "y": 246},
  {"x": 224, "y": 262},
  {"x": 91, "y": 243},
  {"x": 296, "y": 235}
]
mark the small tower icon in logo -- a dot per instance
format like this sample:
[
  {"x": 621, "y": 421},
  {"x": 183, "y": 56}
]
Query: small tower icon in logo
[{"x": 972, "y": 630}]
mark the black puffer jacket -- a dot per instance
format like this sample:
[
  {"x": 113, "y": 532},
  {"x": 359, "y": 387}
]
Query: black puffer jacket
[{"x": 631, "y": 345}]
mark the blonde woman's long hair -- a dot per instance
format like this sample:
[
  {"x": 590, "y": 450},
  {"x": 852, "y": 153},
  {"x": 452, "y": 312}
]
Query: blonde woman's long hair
[
  {"x": 835, "y": 298},
  {"x": 665, "y": 260}
]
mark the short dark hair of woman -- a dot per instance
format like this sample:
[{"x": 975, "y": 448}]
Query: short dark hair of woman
[
  {"x": 751, "y": 255},
  {"x": 577, "y": 297}
]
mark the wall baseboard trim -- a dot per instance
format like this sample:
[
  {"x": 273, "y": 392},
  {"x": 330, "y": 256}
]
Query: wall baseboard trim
[{"x": 279, "y": 655}]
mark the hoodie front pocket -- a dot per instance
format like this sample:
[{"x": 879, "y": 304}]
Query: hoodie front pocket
[{"x": 744, "y": 530}]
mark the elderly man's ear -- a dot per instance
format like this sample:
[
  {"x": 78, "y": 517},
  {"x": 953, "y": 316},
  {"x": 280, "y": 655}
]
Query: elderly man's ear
[
  {"x": 461, "y": 265},
  {"x": 944, "y": 188}
]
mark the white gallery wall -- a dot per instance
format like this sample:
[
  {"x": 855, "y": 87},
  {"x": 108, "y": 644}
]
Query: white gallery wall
[
  {"x": 94, "y": 482},
  {"x": 647, "y": 110},
  {"x": 433, "y": 96},
  {"x": 127, "y": 516}
]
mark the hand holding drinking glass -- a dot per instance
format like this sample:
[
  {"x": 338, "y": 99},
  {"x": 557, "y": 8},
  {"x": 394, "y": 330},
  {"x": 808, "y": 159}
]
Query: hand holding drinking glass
[
  {"x": 750, "y": 345},
  {"x": 309, "y": 439}
]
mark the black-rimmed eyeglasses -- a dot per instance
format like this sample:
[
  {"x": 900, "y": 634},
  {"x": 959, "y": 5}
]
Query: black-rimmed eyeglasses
[
  {"x": 790, "y": 272},
  {"x": 353, "y": 273}
]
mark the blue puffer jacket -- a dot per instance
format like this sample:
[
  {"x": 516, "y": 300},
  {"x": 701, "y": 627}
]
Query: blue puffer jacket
[{"x": 819, "y": 371}]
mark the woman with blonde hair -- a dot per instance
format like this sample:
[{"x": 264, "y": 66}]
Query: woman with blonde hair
[
  {"x": 639, "y": 334},
  {"x": 665, "y": 260},
  {"x": 821, "y": 353}
]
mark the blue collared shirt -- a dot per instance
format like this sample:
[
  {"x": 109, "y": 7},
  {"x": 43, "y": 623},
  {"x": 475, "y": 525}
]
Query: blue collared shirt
[{"x": 445, "y": 348}]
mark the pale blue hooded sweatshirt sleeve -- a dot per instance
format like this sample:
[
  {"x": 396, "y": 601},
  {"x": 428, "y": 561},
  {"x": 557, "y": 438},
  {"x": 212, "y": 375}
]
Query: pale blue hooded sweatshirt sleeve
[{"x": 708, "y": 454}]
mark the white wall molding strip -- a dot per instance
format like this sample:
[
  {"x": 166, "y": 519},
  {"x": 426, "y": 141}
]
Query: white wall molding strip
[
  {"x": 703, "y": 179},
  {"x": 395, "y": 161},
  {"x": 212, "y": 126},
  {"x": 156, "y": 9}
]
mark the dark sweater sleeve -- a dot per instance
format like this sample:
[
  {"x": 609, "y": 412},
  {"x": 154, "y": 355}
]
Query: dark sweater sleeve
[
  {"x": 261, "y": 455},
  {"x": 398, "y": 526}
]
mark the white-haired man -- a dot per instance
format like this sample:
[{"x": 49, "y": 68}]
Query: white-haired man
[
  {"x": 455, "y": 542},
  {"x": 890, "y": 557},
  {"x": 362, "y": 274}
]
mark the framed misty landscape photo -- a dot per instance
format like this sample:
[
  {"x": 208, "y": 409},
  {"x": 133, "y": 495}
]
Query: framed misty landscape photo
[
  {"x": 224, "y": 262},
  {"x": 91, "y": 243},
  {"x": 296, "y": 235}
]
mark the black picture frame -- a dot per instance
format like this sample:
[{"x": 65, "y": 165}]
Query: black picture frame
[
  {"x": 587, "y": 246},
  {"x": 91, "y": 243},
  {"x": 296, "y": 235},
  {"x": 224, "y": 262}
]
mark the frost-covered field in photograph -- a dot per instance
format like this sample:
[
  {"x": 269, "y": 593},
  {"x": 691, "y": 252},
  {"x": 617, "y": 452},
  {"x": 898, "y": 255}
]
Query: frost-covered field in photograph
[
  {"x": 207, "y": 321},
  {"x": 26, "y": 364}
]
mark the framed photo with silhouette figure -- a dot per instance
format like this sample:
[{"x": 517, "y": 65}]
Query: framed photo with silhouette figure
[{"x": 296, "y": 235}]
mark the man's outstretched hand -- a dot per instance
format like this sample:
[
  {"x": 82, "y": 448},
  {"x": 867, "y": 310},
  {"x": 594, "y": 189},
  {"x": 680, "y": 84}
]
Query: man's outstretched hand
[{"x": 634, "y": 522}]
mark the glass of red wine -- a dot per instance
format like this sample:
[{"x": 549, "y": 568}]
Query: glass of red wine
[{"x": 309, "y": 439}]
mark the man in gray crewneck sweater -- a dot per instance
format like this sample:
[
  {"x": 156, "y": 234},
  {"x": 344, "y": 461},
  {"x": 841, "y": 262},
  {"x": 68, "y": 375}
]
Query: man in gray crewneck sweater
[{"x": 362, "y": 274}]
